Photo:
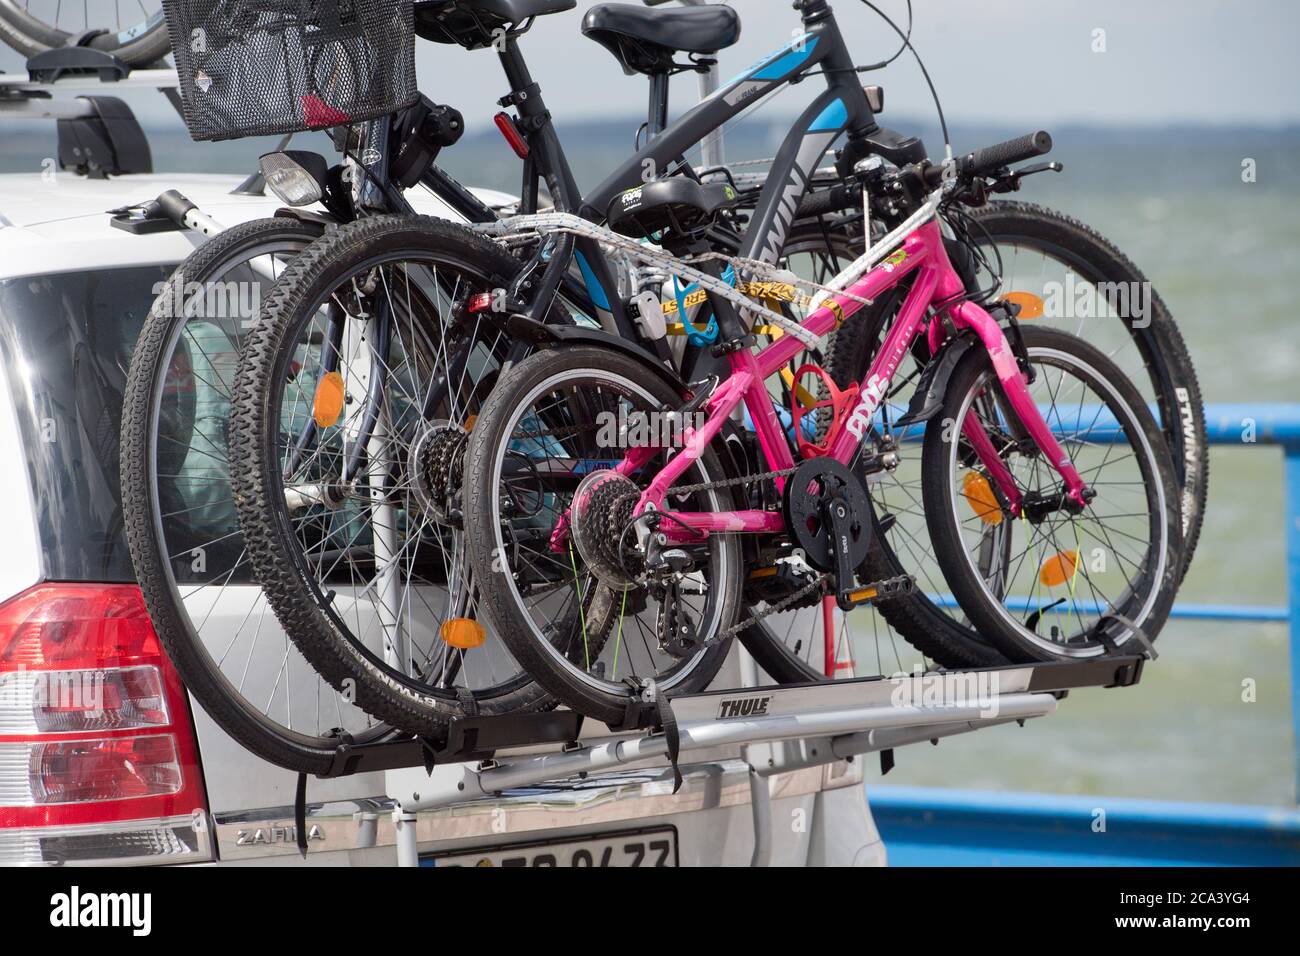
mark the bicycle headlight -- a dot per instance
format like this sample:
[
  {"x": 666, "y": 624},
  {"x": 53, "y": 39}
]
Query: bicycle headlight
[{"x": 296, "y": 176}]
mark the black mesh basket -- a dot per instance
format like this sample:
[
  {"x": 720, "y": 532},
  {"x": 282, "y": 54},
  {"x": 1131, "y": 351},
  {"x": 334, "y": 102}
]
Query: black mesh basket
[{"x": 259, "y": 67}]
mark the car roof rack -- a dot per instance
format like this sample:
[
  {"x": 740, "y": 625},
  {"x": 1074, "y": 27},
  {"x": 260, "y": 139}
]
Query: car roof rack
[
  {"x": 783, "y": 728},
  {"x": 98, "y": 136}
]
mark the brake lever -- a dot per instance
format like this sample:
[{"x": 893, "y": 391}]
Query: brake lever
[{"x": 1011, "y": 182}]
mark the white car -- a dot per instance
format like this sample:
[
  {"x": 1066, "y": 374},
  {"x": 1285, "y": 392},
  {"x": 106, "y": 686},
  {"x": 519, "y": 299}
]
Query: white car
[{"x": 74, "y": 291}]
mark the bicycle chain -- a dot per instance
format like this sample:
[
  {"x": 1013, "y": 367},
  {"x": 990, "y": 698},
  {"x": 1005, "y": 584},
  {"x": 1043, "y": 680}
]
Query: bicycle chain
[
  {"x": 886, "y": 585},
  {"x": 730, "y": 482},
  {"x": 795, "y": 598}
]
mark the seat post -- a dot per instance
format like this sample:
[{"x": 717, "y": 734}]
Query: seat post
[
  {"x": 658, "y": 104},
  {"x": 547, "y": 154}
]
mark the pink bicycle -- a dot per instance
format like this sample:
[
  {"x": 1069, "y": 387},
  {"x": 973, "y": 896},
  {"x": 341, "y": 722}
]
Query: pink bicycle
[{"x": 703, "y": 510}]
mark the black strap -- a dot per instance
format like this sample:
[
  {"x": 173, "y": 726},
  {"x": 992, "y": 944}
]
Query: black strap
[
  {"x": 668, "y": 724},
  {"x": 300, "y": 814}
]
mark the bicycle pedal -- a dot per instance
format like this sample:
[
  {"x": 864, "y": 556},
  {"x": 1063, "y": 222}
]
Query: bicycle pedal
[
  {"x": 879, "y": 591},
  {"x": 776, "y": 583}
]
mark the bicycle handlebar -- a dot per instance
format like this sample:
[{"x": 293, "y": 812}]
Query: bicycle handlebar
[
  {"x": 982, "y": 162},
  {"x": 992, "y": 158},
  {"x": 835, "y": 199},
  {"x": 987, "y": 161}
]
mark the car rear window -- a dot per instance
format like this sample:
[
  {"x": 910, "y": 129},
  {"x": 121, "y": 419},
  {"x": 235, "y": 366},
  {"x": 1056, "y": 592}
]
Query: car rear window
[{"x": 66, "y": 342}]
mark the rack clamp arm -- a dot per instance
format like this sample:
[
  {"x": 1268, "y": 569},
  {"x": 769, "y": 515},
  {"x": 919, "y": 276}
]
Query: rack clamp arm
[{"x": 77, "y": 59}]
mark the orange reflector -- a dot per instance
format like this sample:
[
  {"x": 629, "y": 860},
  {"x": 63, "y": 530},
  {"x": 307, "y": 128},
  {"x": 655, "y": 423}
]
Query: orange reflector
[
  {"x": 862, "y": 594},
  {"x": 1059, "y": 568},
  {"x": 762, "y": 573},
  {"x": 1031, "y": 306},
  {"x": 463, "y": 632},
  {"x": 328, "y": 405},
  {"x": 979, "y": 495},
  {"x": 469, "y": 423}
]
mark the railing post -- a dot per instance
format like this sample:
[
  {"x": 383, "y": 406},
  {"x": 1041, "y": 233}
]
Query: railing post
[{"x": 1292, "y": 477}]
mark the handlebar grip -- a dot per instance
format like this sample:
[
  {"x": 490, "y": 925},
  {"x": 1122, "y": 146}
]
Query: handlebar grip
[
  {"x": 835, "y": 199},
  {"x": 991, "y": 158}
]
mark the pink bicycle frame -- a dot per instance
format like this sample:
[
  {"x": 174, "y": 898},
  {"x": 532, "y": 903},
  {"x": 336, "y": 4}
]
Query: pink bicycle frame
[{"x": 936, "y": 284}]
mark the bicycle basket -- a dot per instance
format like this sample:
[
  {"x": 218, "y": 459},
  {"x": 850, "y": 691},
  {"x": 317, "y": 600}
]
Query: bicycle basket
[{"x": 259, "y": 67}]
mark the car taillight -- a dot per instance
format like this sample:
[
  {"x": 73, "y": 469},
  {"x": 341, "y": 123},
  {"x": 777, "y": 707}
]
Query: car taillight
[{"x": 98, "y": 761}]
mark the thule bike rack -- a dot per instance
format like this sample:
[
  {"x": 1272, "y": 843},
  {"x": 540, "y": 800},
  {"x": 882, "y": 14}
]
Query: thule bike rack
[{"x": 781, "y": 728}]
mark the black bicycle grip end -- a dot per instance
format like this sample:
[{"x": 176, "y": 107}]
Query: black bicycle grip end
[{"x": 992, "y": 158}]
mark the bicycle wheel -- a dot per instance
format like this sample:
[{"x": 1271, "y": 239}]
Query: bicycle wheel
[
  {"x": 1043, "y": 253},
  {"x": 548, "y": 437},
  {"x": 354, "y": 399},
  {"x": 1091, "y": 575},
  {"x": 1087, "y": 286},
  {"x": 179, "y": 510},
  {"x": 137, "y": 35}
]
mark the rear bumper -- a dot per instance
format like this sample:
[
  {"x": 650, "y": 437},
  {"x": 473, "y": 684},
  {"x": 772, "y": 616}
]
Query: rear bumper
[{"x": 818, "y": 816}]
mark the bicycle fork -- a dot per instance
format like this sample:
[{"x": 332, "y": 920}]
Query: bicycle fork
[{"x": 1022, "y": 406}]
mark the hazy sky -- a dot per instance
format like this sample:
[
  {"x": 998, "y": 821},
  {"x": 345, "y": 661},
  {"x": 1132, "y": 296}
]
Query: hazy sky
[
  {"x": 1012, "y": 62},
  {"x": 1009, "y": 61}
]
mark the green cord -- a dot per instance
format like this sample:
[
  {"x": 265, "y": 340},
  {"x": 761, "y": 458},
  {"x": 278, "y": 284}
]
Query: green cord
[
  {"x": 622, "y": 608},
  {"x": 582, "y": 612}
]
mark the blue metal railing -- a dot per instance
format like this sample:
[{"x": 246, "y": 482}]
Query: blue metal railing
[
  {"x": 925, "y": 826},
  {"x": 955, "y": 827},
  {"x": 1239, "y": 426},
  {"x": 1244, "y": 425}
]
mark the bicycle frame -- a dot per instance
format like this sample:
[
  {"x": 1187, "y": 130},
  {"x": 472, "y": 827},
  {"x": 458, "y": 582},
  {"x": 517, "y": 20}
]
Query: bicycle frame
[
  {"x": 936, "y": 286},
  {"x": 842, "y": 107}
]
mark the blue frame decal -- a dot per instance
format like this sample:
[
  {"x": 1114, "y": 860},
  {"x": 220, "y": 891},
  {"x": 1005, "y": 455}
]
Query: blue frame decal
[
  {"x": 834, "y": 117},
  {"x": 785, "y": 61},
  {"x": 598, "y": 297}
]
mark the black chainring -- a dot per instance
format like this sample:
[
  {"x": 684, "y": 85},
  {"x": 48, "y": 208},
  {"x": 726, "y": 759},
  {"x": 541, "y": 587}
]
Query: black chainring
[{"x": 814, "y": 484}]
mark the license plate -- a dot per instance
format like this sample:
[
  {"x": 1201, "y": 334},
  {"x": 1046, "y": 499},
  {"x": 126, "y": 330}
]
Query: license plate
[{"x": 634, "y": 848}]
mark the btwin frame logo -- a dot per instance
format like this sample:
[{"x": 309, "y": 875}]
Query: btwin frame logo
[
  {"x": 785, "y": 215},
  {"x": 76, "y": 909}
]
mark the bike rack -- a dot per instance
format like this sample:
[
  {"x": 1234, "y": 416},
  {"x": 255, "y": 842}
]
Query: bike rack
[{"x": 782, "y": 728}]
